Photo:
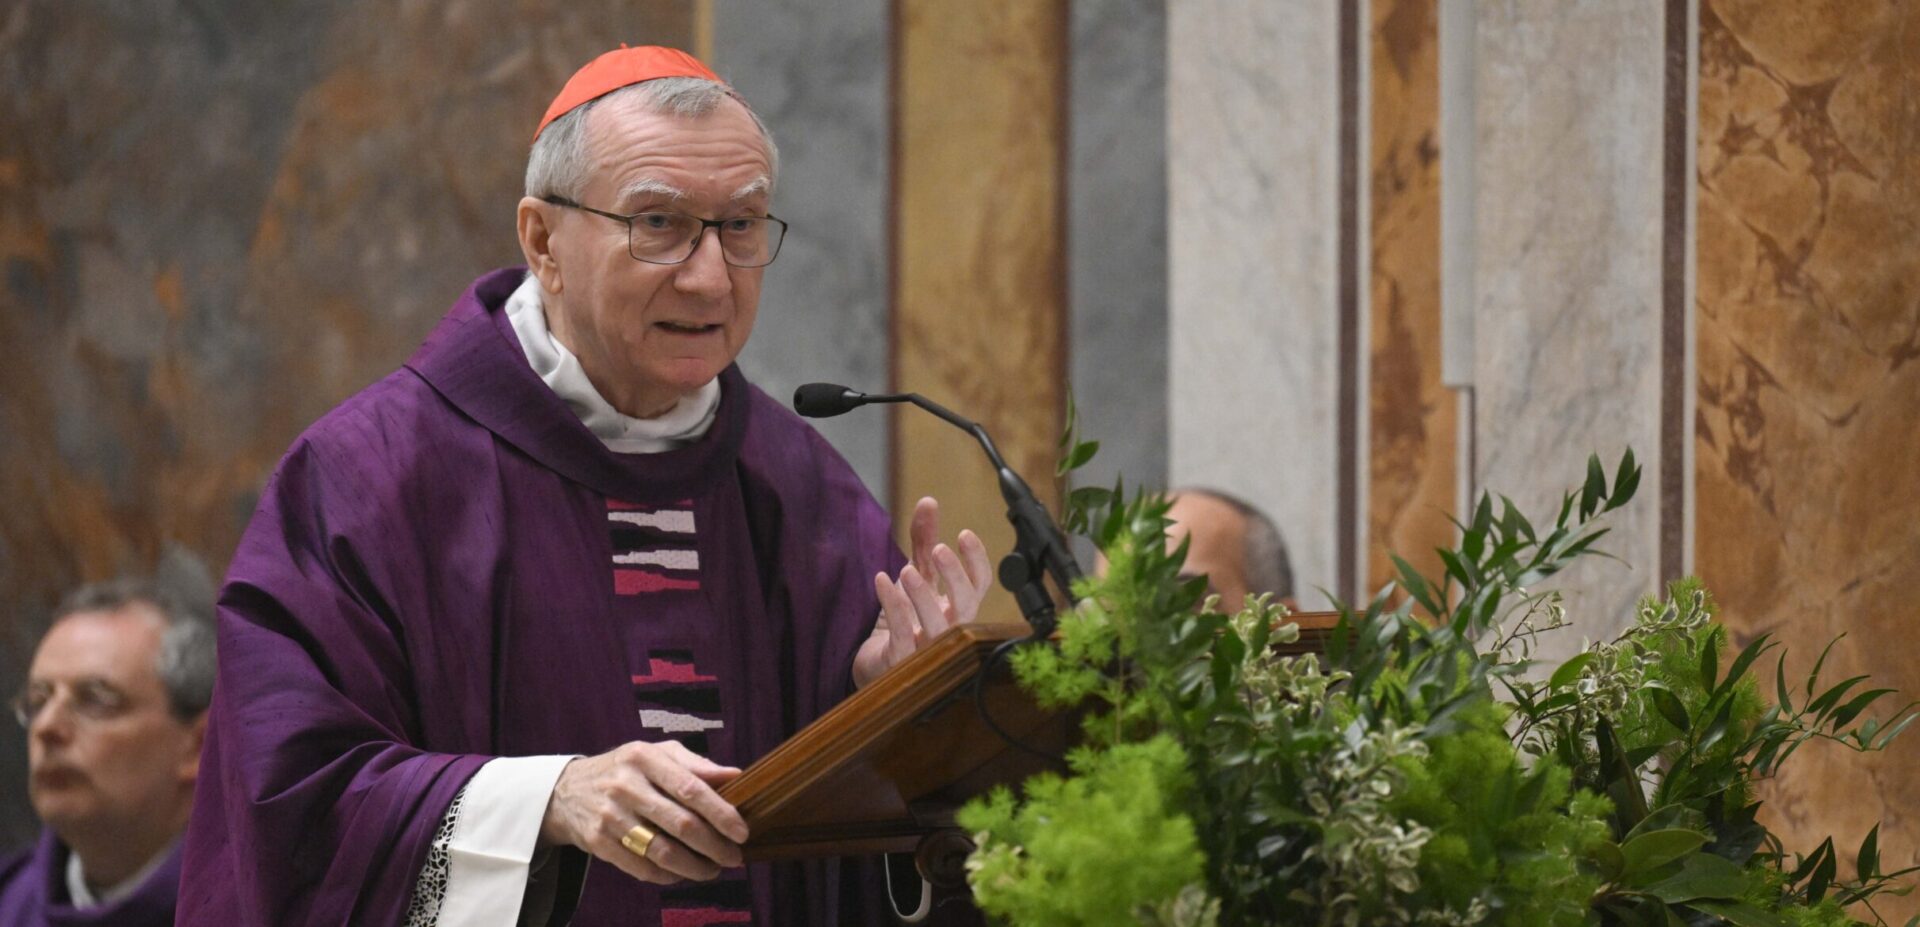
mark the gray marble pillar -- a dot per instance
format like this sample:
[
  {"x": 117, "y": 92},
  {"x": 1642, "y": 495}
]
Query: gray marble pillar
[
  {"x": 1253, "y": 174},
  {"x": 1567, "y": 271},
  {"x": 1117, "y": 237},
  {"x": 817, "y": 73}
]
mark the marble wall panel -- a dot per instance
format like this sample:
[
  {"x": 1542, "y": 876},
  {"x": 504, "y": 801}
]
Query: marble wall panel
[
  {"x": 1809, "y": 329},
  {"x": 1569, "y": 102},
  {"x": 1253, "y": 183},
  {"x": 1117, "y": 236},
  {"x": 979, "y": 285},
  {"x": 217, "y": 219},
  {"x": 817, "y": 73},
  {"x": 1412, "y": 476}
]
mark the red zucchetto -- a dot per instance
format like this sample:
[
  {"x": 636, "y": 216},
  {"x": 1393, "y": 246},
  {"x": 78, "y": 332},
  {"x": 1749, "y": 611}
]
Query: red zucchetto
[{"x": 620, "y": 68}]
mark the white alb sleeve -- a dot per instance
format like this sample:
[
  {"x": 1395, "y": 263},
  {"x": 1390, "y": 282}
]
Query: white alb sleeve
[{"x": 476, "y": 872}]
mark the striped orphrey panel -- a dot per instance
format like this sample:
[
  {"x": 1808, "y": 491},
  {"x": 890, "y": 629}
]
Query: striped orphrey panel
[
  {"x": 656, "y": 576},
  {"x": 699, "y": 904},
  {"x": 653, "y": 548}
]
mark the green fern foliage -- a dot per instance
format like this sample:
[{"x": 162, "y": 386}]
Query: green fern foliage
[{"x": 1427, "y": 770}]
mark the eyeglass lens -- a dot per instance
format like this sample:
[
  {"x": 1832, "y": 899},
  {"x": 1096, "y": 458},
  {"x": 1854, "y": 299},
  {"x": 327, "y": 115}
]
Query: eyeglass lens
[
  {"x": 670, "y": 237},
  {"x": 92, "y": 699}
]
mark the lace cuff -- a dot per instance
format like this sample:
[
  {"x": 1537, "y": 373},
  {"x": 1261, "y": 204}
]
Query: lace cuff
[
  {"x": 477, "y": 869},
  {"x": 431, "y": 888}
]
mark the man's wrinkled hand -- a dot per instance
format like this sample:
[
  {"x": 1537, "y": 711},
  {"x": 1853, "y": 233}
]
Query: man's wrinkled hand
[
  {"x": 665, "y": 786},
  {"x": 940, "y": 588}
]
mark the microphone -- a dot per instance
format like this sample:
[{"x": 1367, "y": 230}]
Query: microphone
[
  {"x": 826, "y": 400},
  {"x": 1040, "y": 548}
]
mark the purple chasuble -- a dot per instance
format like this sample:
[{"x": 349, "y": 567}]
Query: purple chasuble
[
  {"x": 435, "y": 577},
  {"x": 33, "y": 893}
]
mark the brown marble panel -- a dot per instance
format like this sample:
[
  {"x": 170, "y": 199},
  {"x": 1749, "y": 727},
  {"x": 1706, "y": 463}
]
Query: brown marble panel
[
  {"x": 1412, "y": 436},
  {"x": 217, "y": 219},
  {"x": 1809, "y": 402},
  {"x": 979, "y": 307}
]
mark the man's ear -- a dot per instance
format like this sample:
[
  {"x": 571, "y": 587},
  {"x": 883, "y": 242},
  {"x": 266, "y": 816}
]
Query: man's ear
[
  {"x": 532, "y": 221},
  {"x": 189, "y": 769}
]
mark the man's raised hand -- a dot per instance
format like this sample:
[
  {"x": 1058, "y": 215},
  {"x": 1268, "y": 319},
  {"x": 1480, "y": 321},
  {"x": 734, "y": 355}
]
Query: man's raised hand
[{"x": 940, "y": 588}]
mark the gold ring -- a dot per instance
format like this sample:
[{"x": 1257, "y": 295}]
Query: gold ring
[{"x": 638, "y": 840}]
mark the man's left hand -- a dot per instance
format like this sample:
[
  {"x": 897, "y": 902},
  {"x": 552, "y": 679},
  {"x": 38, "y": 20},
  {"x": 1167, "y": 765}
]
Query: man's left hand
[{"x": 937, "y": 590}]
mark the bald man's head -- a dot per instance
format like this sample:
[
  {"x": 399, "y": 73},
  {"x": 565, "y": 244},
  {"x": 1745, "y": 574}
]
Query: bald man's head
[{"x": 1236, "y": 546}]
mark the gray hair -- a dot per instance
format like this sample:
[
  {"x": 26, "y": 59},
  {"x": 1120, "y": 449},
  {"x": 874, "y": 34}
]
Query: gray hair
[
  {"x": 186, "y": 664},
  {"x": 557, "y": 165},
  {"x": 1263, "y": 554}
]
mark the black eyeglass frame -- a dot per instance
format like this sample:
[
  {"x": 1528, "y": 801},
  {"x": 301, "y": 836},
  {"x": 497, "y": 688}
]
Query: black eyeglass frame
[{"x": 698, "y": 237}]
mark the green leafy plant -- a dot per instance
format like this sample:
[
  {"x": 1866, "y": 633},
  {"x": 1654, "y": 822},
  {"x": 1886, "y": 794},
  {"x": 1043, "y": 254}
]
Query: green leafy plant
[{"x": 1427, "y": 770}]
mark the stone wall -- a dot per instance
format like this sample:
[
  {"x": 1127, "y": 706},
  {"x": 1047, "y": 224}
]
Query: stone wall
[
  {"x": 1809, "y": 329},
  {"x": 218, "y": 219}
]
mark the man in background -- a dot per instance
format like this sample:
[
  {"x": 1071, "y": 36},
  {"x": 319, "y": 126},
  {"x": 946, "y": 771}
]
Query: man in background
[
  {"x": 1236, "y": 546},
  {"x": 115, "y": 711}
]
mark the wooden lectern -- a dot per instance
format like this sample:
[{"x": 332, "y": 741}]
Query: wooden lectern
[{"x": 885, "y": 771}]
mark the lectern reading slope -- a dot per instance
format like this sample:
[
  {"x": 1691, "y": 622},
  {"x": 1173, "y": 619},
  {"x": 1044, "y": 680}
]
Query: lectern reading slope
[{"x": 890, "y": 765}]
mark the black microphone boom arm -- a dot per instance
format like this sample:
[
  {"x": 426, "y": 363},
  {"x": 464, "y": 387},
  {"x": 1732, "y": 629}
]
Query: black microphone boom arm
[{"x": 1039, "y": 550}]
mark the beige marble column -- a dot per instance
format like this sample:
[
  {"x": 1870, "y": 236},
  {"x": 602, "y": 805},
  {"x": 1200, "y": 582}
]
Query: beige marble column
[
  {"x": 1569, "y": 101},
  {"x": 1252, "y": 121}
]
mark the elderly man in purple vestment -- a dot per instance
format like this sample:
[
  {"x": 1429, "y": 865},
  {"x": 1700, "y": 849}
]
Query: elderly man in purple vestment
[
  {"x": 115, "y": 709},
  {"x": 504, "y": 620}
]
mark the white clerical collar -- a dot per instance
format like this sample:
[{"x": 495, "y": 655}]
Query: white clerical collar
[
  {"x": 682, "y": 425},
  {"x": 84, "y": 897}
]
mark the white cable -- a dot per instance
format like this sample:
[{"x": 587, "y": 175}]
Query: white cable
[{"x": 926, "y": 897}]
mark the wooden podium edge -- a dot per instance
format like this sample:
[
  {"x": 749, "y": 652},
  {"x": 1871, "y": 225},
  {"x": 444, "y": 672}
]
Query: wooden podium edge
[
  {"x": 898, "y": 696},
  {"x": 923, "y": 681}
]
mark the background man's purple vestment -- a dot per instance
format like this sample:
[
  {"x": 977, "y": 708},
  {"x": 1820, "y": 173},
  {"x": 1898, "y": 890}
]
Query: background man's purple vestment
[
  {"x": 426, "y": 585},
  {"x": 33, "y": 893}
]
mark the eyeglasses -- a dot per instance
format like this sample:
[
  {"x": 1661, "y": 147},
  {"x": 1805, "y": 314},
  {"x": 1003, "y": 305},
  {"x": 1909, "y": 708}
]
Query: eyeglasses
[
  {"x": 659, "y": 237},
  {"x": 91, "y": 699}
]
